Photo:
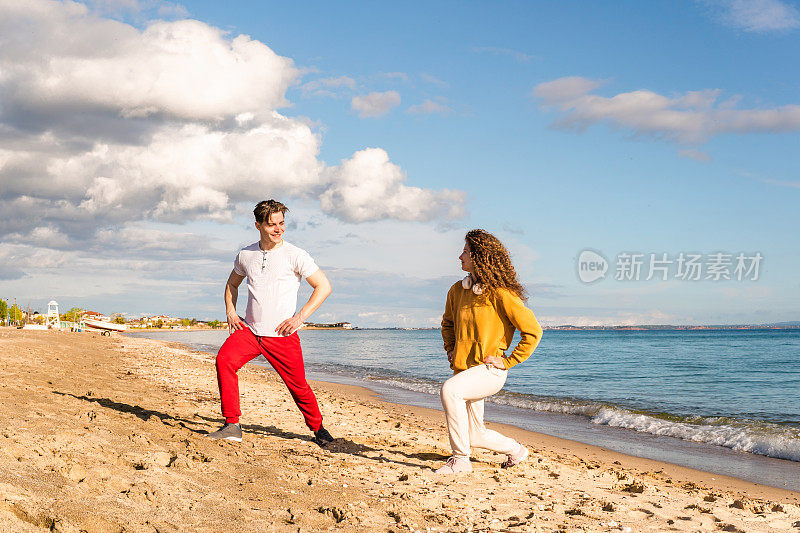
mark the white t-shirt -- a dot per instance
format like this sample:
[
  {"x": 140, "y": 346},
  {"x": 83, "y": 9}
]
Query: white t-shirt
[{"x": 273, "y": 279}]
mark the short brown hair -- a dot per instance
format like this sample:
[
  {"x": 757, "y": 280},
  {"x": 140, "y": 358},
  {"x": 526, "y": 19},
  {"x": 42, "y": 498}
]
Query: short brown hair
[{"x": 265, "y": 208}]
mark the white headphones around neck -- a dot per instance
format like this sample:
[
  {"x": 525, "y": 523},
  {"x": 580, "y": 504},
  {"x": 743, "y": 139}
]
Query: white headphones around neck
[{"x": 467, "y": 283}]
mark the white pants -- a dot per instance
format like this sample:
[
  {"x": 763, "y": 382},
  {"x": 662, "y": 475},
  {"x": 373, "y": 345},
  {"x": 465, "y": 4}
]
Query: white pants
[{"x": 462, "y": 399}]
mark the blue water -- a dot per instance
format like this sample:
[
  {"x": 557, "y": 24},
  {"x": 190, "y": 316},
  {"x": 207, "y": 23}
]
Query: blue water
[{"x": 737, "y": 390}]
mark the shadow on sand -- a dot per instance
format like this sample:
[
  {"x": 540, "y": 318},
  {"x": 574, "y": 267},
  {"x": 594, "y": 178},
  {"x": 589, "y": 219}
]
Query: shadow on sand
[
  {"x": 340, "y": 445},
  {"x": 140, "y": 412}
]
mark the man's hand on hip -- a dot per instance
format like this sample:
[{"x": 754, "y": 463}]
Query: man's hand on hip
[
  {"x": 235, "y": 322},
  {"x": 289, "y": 326}
]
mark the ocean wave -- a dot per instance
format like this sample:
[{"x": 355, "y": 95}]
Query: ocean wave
[
  {"x": 424, "y": 386},
  {"x": 550, "y": 405},
  {"x": 761, "y": 438}
]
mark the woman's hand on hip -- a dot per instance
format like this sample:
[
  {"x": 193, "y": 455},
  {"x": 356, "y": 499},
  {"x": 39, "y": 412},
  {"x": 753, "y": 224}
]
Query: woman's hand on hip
[{"x": 494, "y": 361}]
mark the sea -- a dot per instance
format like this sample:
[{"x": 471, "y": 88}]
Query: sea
[{"x": 721, "y": 401}]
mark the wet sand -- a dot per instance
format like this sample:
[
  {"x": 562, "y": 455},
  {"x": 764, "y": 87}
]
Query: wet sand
[{"x": 107, "y": 434}]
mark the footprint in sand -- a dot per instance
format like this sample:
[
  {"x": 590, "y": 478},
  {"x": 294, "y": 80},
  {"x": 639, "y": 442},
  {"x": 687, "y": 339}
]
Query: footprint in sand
[
  {"x": 76, "y": 473},
  {"x": 640, "y": 514}
]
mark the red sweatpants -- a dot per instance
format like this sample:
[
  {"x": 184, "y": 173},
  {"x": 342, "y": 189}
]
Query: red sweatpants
[{"x": 285, "y": 356}]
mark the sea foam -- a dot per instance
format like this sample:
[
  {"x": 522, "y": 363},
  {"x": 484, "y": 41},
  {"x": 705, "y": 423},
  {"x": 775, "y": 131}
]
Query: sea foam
[
  {"x": 771, "y": 440},
  {"x": 762, "y": 438}
]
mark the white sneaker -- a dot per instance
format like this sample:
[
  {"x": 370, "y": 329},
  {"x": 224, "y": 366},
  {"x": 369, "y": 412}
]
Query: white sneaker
[
  {"x": 516, "y": 458},
  {"x": 455, "y": 465}
]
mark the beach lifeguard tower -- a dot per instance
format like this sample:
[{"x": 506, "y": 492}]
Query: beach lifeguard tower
[{"x": 53, "y": 318}]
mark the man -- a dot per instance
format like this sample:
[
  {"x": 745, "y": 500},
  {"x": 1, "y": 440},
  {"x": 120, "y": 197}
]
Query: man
[{"x": 273, "y": 269}]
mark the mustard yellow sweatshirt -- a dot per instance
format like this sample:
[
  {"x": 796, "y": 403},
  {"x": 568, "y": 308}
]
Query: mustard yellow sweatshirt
[{"x": 477, "y": 326}]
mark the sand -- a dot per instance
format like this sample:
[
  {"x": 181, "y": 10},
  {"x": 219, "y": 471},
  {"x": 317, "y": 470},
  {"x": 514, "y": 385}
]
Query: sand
[{"x": 107, "y": 434}]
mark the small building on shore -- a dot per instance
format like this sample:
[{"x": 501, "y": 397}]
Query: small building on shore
[
  {"x": 96, "y": 316},
  {"x": 334, "y": 325}
]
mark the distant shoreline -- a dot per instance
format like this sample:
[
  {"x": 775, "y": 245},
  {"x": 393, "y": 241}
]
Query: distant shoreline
[
  {"x": 545, "y": 328},
  {"x": 224, "y": 327},
  {"x": 739, "y": 327},
  {"x": 658, "y": 327},
  {"x": 190, "y": 328},
  {"x": 619, "y": 328},
  {"x": 324, "y": 328}
]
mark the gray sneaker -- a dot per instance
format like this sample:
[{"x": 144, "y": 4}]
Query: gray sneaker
[{"x": 227, "y": 432}]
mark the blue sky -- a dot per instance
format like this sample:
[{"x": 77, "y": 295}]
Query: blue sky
[{"x": 634, "y": 127}]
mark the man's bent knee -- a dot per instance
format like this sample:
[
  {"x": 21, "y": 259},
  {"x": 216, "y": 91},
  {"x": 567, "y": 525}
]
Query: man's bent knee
[{"x": 226, "y": 360}]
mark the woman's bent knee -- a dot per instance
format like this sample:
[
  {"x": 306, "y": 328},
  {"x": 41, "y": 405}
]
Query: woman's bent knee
[{"x": 449, "y": 391}]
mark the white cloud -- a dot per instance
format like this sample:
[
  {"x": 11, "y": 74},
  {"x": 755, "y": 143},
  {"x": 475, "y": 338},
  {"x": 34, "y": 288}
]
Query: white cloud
[
  {"x": 368, "y": 186},
  {"x": 793, "y": 184},
  {"x": 184, "y": 69},
  {"x": 433, "y": 80},
  {"x": 771, "y": 181},
  {"x": 103, "y": 124},
  {"x": 429, "y": 107},
  {"x": 400, "y": 76},
  {"x": 137, "y": 8},
  {"x": 9, "y": 272},
  {"x": 758, "y": 16},
  {"x": 614, "y": 318},
  {"x": 172, "y": 10},
  {"x": 566, "y": 89},
  {"x": 184, "y": 172},
  {"x": 115, "y": 6},
  {"x": 328, "y": 86},
  {"x": 375, "y": 104},
  {"x": 520, "y": 57},
  {"x": 697, "y": 155},
  {"x": 48, "y": 237},
  {"x": 693, "y": 117},
  {"x": 147, "y": 243},
  {"x": 29, "y": 258}
]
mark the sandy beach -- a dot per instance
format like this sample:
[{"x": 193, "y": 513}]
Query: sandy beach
[{"x": 107, "y": 434}]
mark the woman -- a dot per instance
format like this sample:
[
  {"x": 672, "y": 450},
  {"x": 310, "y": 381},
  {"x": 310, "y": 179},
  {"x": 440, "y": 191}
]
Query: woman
[{"x": 481, "y": 314}]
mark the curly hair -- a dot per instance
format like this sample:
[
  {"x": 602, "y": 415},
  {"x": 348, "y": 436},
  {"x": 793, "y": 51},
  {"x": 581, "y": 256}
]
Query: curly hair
[{"x": 492, "y": 264}]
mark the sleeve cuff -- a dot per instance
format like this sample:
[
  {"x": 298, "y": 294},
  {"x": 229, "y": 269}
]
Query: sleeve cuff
[{"x": 309, "y": 272}]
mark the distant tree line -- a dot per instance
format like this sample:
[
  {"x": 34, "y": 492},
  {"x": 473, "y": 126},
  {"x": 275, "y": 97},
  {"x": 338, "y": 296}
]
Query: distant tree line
[
  {"x": 13, "y": 313},
  {"x": 73, "y": 315}
]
